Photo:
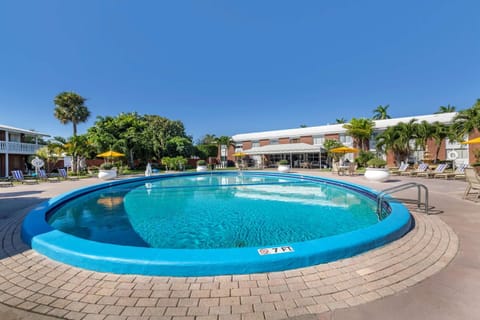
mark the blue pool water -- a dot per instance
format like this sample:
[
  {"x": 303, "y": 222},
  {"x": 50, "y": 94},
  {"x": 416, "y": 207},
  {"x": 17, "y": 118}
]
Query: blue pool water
[
  {"x": 212, "y": 224},
  {"x": 209, "y": 212}
]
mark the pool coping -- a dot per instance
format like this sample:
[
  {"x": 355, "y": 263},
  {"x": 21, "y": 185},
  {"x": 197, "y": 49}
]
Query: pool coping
[{"x": 104, "y": 257}]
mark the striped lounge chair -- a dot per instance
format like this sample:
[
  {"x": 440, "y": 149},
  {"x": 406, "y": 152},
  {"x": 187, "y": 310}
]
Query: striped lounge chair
[
  {"x": 18, "y": 176},
  {"x": 431, "y": 174},
  {"x": 459, "y": 173},
  {"x": 63, "y": 174},
  {"x": 421, "y": 168}
]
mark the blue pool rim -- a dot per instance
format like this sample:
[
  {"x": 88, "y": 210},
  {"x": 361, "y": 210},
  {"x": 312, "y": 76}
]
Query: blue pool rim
[{"x": 105, "y": 257}]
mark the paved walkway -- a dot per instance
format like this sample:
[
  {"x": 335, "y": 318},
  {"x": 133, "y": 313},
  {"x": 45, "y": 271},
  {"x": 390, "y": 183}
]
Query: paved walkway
[{"x": 414, "y": 277}]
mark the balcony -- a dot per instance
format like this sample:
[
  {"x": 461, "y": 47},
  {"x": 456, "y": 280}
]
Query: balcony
[{"x": 18, "y": 147}]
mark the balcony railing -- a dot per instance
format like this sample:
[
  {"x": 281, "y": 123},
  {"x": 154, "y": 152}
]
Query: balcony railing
[{"x": 18, "y": 147}]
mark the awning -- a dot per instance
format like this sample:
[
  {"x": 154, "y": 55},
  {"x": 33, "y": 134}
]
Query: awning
[{"x": 283, "y": 149}]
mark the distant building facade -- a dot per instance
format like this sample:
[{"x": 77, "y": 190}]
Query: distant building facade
[
  {"x": 305, "y": 145},
  {"x": 16, "y": 145}
]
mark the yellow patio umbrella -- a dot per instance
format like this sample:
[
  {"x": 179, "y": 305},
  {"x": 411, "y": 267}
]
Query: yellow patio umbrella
[
  {"x": 344, "y": 150},
  {"x": 110, "y": 154},
  {"x": 239, "y": 154},
  {"x": 472, "y": 141}
]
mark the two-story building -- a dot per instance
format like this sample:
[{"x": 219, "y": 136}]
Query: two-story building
[
  {"x": 305, "y": 145},
  {"x": 16, "y": 145}
]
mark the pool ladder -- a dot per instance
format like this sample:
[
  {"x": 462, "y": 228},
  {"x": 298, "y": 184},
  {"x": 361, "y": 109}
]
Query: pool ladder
[{"x": 381, "y": 196}]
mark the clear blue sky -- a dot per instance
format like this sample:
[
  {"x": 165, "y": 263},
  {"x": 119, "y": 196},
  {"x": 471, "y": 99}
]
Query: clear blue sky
[{"x": 227, "y": 67}]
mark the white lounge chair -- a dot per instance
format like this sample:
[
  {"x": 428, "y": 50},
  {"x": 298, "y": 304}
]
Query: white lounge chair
[
  {"x": 459, "y": 173},
  {"x": 473, "y": 183},
  {"x": 421, "y": 168},
  {"x": 439, "y": 169},
  {"x": 403, "y": 167}
]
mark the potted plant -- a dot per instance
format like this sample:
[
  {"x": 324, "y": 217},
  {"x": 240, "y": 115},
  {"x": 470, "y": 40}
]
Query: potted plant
[
  {"x": 283, "y": 166},
  {"x": 376, "y": 170},
  {"x": 201, "y": 166},
  {"x": 107, "y": 171}
]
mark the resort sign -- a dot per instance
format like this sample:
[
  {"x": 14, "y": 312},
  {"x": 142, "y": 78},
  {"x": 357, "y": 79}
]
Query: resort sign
[{"x": 37, "y": 163}]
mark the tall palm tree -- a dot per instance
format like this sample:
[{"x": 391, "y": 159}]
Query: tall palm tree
[
  {"x": 360, "y": 130},
  {"x": 69, "y": 107},
  {"x": 208, "y": 139},
  {"x": 439, "y": 133},
  {"x": 397, "y": 139},
  {"x": 380, "y": 113},
  {"x": 466, "y": 121},
  {"x": 423, "y": 131},
  {"x": 224, "y": 141},
  {"x": 341, "y": 120},
  {"x": 446, "y": 109}
]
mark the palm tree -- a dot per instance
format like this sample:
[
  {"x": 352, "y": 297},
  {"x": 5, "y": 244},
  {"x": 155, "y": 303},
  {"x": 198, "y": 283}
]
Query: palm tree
[
  {"x": 446, "y": 109},
  {"x": 69, "y": 107},
  {"x": 439, "y": 133},
  {"x": 380, "y": 113},
  {"x": 224, "y": 141},
  {"x": 361, "y": 131},
  {"x": 397, "y": 139},
  {"x": 341, "y": 120},
  {"x": 466, "y": 121},
  {"x": 423, "y": 131},
  {"x": 208, "y": 139}
]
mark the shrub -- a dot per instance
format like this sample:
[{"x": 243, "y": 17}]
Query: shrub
[
  {"x": 377, "y": 163},
  {"x": 201, "y": 163},
  {"x": 363, "y": 158},
  {"x": 93, "y": 169},
  {"x": 283, "y": 162},
  {"x": 106, "y": 166}
]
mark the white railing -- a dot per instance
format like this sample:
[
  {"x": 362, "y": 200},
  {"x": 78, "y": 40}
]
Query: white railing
[{"x": 18, "y": 147}]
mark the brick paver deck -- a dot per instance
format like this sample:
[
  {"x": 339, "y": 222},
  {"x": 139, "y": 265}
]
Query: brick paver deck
[{"x": 34, "y": 283}]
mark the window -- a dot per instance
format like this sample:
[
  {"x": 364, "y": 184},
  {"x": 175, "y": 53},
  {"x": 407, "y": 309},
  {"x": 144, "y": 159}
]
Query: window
[
  {"x": 255, "y": 144},
  {"x": 294, "y": 140},
  {"x": 14, "y": 137},
  {"x": 273, "y": 141},
  {"x": 346, "y": 140},
  {"x": 319, "y": 140},
  {"x": 238, "y": 147}
]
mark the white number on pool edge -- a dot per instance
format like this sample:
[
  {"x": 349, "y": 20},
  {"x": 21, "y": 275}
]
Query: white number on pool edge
[{"x": 275, "y": 250}]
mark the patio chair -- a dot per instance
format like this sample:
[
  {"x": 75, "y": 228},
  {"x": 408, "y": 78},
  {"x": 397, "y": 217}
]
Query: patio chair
[
  {"x": 63, "y": 174},
  {"x": 403, "y": 167},
  {"x": 42, "y": 175},
  {"x": 473, "y": 183},
  {"x": 18, "y": 176},
  {"x": 352, "y": 168},
  {"x": 427, "y": 174},
  {"x": 421, "y": 168},
  {"x": 459, "y": 173}
]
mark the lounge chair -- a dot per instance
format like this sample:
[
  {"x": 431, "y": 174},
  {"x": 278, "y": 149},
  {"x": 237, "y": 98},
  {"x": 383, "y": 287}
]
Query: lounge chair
[
  {"x": 42, "y": 175},
  {"x": 403, "y": 167},
  {"x": 459, "y": 173},
  {"x": 439, "y": 169},
  {"x": 473, "y": 183},
  {"x": 352, "y": 168},
  {"x": 63, "y": 174},
  {"x": 18, "y": 176},
  {"x": 421, "y": 168}
]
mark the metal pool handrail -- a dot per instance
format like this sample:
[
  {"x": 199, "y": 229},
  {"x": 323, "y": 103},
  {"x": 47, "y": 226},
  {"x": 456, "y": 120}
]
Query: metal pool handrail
[{"x": 389, "y": 191}]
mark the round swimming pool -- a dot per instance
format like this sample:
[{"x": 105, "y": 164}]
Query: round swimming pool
[{"x": 212, "y": 223}]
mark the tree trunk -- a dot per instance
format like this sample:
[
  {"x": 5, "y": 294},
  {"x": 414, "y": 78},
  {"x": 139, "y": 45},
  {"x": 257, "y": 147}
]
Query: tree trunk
[{"x": 130, "y": 160}]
